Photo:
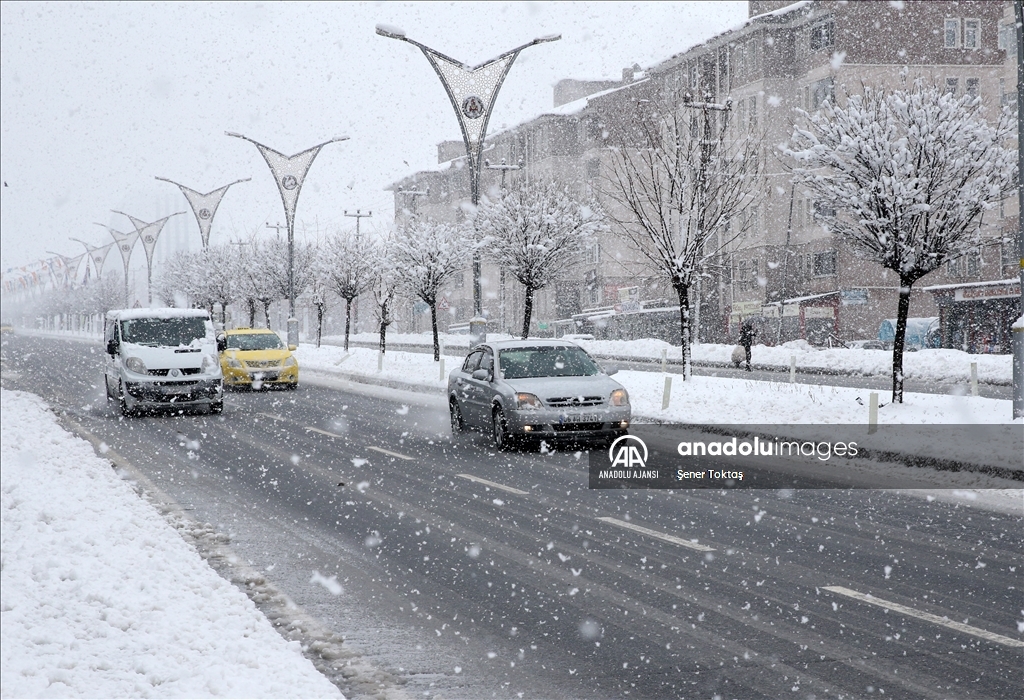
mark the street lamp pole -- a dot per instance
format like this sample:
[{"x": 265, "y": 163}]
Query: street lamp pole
[
  {"x": 1018, "y": 327},
  {"x": 289, "y": 172},
  {"x": 472, "y": 92},
  {"x": 504, "y": 168}
]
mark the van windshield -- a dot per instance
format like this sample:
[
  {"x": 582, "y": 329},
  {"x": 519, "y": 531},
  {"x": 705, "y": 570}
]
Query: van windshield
[{"x": 181, "y": 330}]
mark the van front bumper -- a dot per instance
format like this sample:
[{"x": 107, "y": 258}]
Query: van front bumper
[{"x": 182, "y": 392}]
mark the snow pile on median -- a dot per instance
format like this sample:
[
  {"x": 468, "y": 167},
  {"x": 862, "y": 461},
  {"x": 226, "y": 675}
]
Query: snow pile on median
[{"x": 102, "y": 598}]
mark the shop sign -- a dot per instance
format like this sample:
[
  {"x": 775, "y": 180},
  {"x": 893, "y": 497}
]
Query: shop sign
[
  {"x": 852, "y": 297},
  {"x": 819, "y": 312},
  {"x": 995, "y": 291}
]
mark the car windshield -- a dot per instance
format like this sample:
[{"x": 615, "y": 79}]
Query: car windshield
[
  {"x": 254, "y": 341},
  {"x": 520, "y": 363},
  {"x": 174, "y": 331}
]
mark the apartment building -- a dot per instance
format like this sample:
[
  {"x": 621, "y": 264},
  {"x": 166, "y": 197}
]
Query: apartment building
[{"x": 787, "y": 271}]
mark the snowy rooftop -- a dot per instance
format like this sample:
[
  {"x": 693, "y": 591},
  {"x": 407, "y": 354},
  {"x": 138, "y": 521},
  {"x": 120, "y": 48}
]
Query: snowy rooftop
[{"x": 158, "y": 313}]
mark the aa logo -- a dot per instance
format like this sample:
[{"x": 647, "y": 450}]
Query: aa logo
[{"x": 624, "y": 453}]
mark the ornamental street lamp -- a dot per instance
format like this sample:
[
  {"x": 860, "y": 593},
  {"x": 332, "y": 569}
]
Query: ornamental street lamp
[
  {"x": 472, "y": 92},
  {"x": 204, "y": 206},
  {"x": 504, "y": 167},
  {"x": 97, "y": 254},
  {"x": 289, "y": 172},
  {"x": 148, "y": 233},
  {"x": 125, "y": 243}
]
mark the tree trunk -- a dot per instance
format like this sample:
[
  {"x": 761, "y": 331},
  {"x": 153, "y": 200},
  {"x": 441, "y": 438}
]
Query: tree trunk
[
  {"x": 683, "y": 292},
  {"x": 433, "y": 328},
  {"x": 252, "y": 311},
  {"x": 899, "y": 340},
  {"x": 348, "y": 321},
  {"x": 384, "y": 321},
  {"x": 319, "y": 323},
  {"x": 224, "y": 313},
  {"x": 266, "y": 312},
  {"x": 527, "y": 311}
]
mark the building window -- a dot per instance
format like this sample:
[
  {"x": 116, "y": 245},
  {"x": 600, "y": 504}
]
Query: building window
[
  {"x": 458, "y": 280},
  {"x": 952, "y": 85},
  {"x": 822, "y": 210},
  {"x": 951, "y": 33},
  {"x": 752, "y": 56},
  {"x": 1008, "y": 255},
  {"x": 825, "y": 263},
  {"x": 593, "y": 168},
  {"x": 724, "y": 84},
  {"x": 820, "y": 92},
  {"x": 1008, "y": 37},
  {"x": 972, "y": 33},
  {"x": 823, "y": 35},
  {"x": 592, "y": 255},
  {"x": 694, "y": 76},
  {"x": 973, "y": 87},
  {"x": 752, "y": 113},
  {"x": 965, "y": 266},
  {"x": 741, "y": 114}
]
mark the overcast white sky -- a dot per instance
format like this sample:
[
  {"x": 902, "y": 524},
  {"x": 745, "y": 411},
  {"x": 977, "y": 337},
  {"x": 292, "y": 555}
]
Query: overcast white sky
[{"x": 99, "y": 98}]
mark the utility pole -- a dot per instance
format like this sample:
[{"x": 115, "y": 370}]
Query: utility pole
[
  {"x": 413, "y": 194},
  {"x": 359, "y": 215},
  {"x": 355, "y": 306},
  {"x": 504, "y": 168}
]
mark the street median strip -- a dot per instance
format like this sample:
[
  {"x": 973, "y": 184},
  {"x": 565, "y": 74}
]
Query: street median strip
[
  {"x": 945, "y": 622},
  {"x": 660, "y": 535},
  {"x": 493, "y": 485}
]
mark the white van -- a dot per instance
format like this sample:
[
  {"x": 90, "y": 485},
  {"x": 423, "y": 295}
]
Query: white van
[{"x": 162, "y": 358}]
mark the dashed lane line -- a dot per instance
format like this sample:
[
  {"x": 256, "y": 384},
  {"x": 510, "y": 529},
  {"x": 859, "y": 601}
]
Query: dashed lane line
[
  {"x": 493, "y": 485},
  {"x": 323, "y": 432},
  {"x": 660, "y": 535},
  {"x": 389, "y": 452},
  {"x": 272, "y": 416},
  {"x": 945, "y": 622}
]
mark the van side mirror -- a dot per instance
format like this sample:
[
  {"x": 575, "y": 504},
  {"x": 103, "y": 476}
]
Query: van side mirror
[
  {"x": 112, "y": 346},
  {"x": 222, "y": 343}
]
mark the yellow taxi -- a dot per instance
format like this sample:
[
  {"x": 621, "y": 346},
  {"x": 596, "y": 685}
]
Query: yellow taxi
[{"x": 257, "y": 358}]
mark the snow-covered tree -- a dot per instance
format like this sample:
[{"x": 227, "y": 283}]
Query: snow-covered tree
[
  {"x": 910, "y": 173},
  {"x": 351, "y": 270},
  {"x": 429, "y": 254},
  {"x": 536, "y": 232},
  {"x": 683, "y": 182},
  {"x": 385, "y": 281}
]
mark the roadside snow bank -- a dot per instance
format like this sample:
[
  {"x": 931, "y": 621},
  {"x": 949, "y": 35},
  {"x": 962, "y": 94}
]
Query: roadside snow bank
[{"x": 102, "y": 598}]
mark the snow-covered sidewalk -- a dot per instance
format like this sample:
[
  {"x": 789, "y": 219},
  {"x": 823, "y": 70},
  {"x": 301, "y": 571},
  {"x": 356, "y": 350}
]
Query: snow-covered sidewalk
[
  {"x": 938, "y": 365},
  {"x": 101, "y": 597}
]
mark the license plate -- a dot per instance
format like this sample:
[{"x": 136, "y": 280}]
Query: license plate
[
  {"x": 178, "y": 389},
  {"x": 580, "y": 418},
  {"x": 264, "y": 377}
]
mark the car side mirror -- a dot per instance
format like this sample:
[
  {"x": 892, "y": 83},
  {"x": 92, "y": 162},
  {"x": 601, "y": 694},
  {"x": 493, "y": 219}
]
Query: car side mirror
[
  {"x": 611, "y": 369},
  {"x": 481, "y": 374},
  {"x": 222, "y": 343},
  {"x": 112, "y": 346},
  {"x": 293, "y": 348}
]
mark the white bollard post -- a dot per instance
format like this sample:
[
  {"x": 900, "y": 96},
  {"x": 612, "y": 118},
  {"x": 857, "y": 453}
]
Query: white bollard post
[
  {"x": 664, "y": 360},
  {"x": 666, "y": 397},
  {"x": 440, "y": 374},
  {"x": 380, "y": 361},
  {"x": 873, "y": 412},
  {"x": 792, "y": 369},
  {"x": 974, "y": 379}
]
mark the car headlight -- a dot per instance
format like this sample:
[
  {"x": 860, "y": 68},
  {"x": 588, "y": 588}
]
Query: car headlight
[
  {"x": 619, "y": 397},
  {"x": 210, "y": 365},
  {"x": 289, "y": 361},
  {"x": 134, "y": 364},
  {"x": 528, "y": 401},
  {"x": 234, "y": 363}
]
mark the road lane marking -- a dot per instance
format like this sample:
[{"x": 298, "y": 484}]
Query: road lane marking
[
  {"x": 271, "y": 415},
  {"x": 493, "y": 485},
  {"x": 323, "y": 432},
  {"x": 945, "y": 622},
  {"x": 660, "y": 535},
  {"x": 389, "y": 452}
]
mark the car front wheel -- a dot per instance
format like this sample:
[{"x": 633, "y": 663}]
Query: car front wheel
[
  {"x": 458, "y": 424},
  {"x": 499, "y": 430}
]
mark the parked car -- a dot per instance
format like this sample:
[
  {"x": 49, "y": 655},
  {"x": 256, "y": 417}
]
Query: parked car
[
  {"x": 162, "y": 358},
  {"x": 526, "y": 391},
  {"x": 257, "y": 358}
]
